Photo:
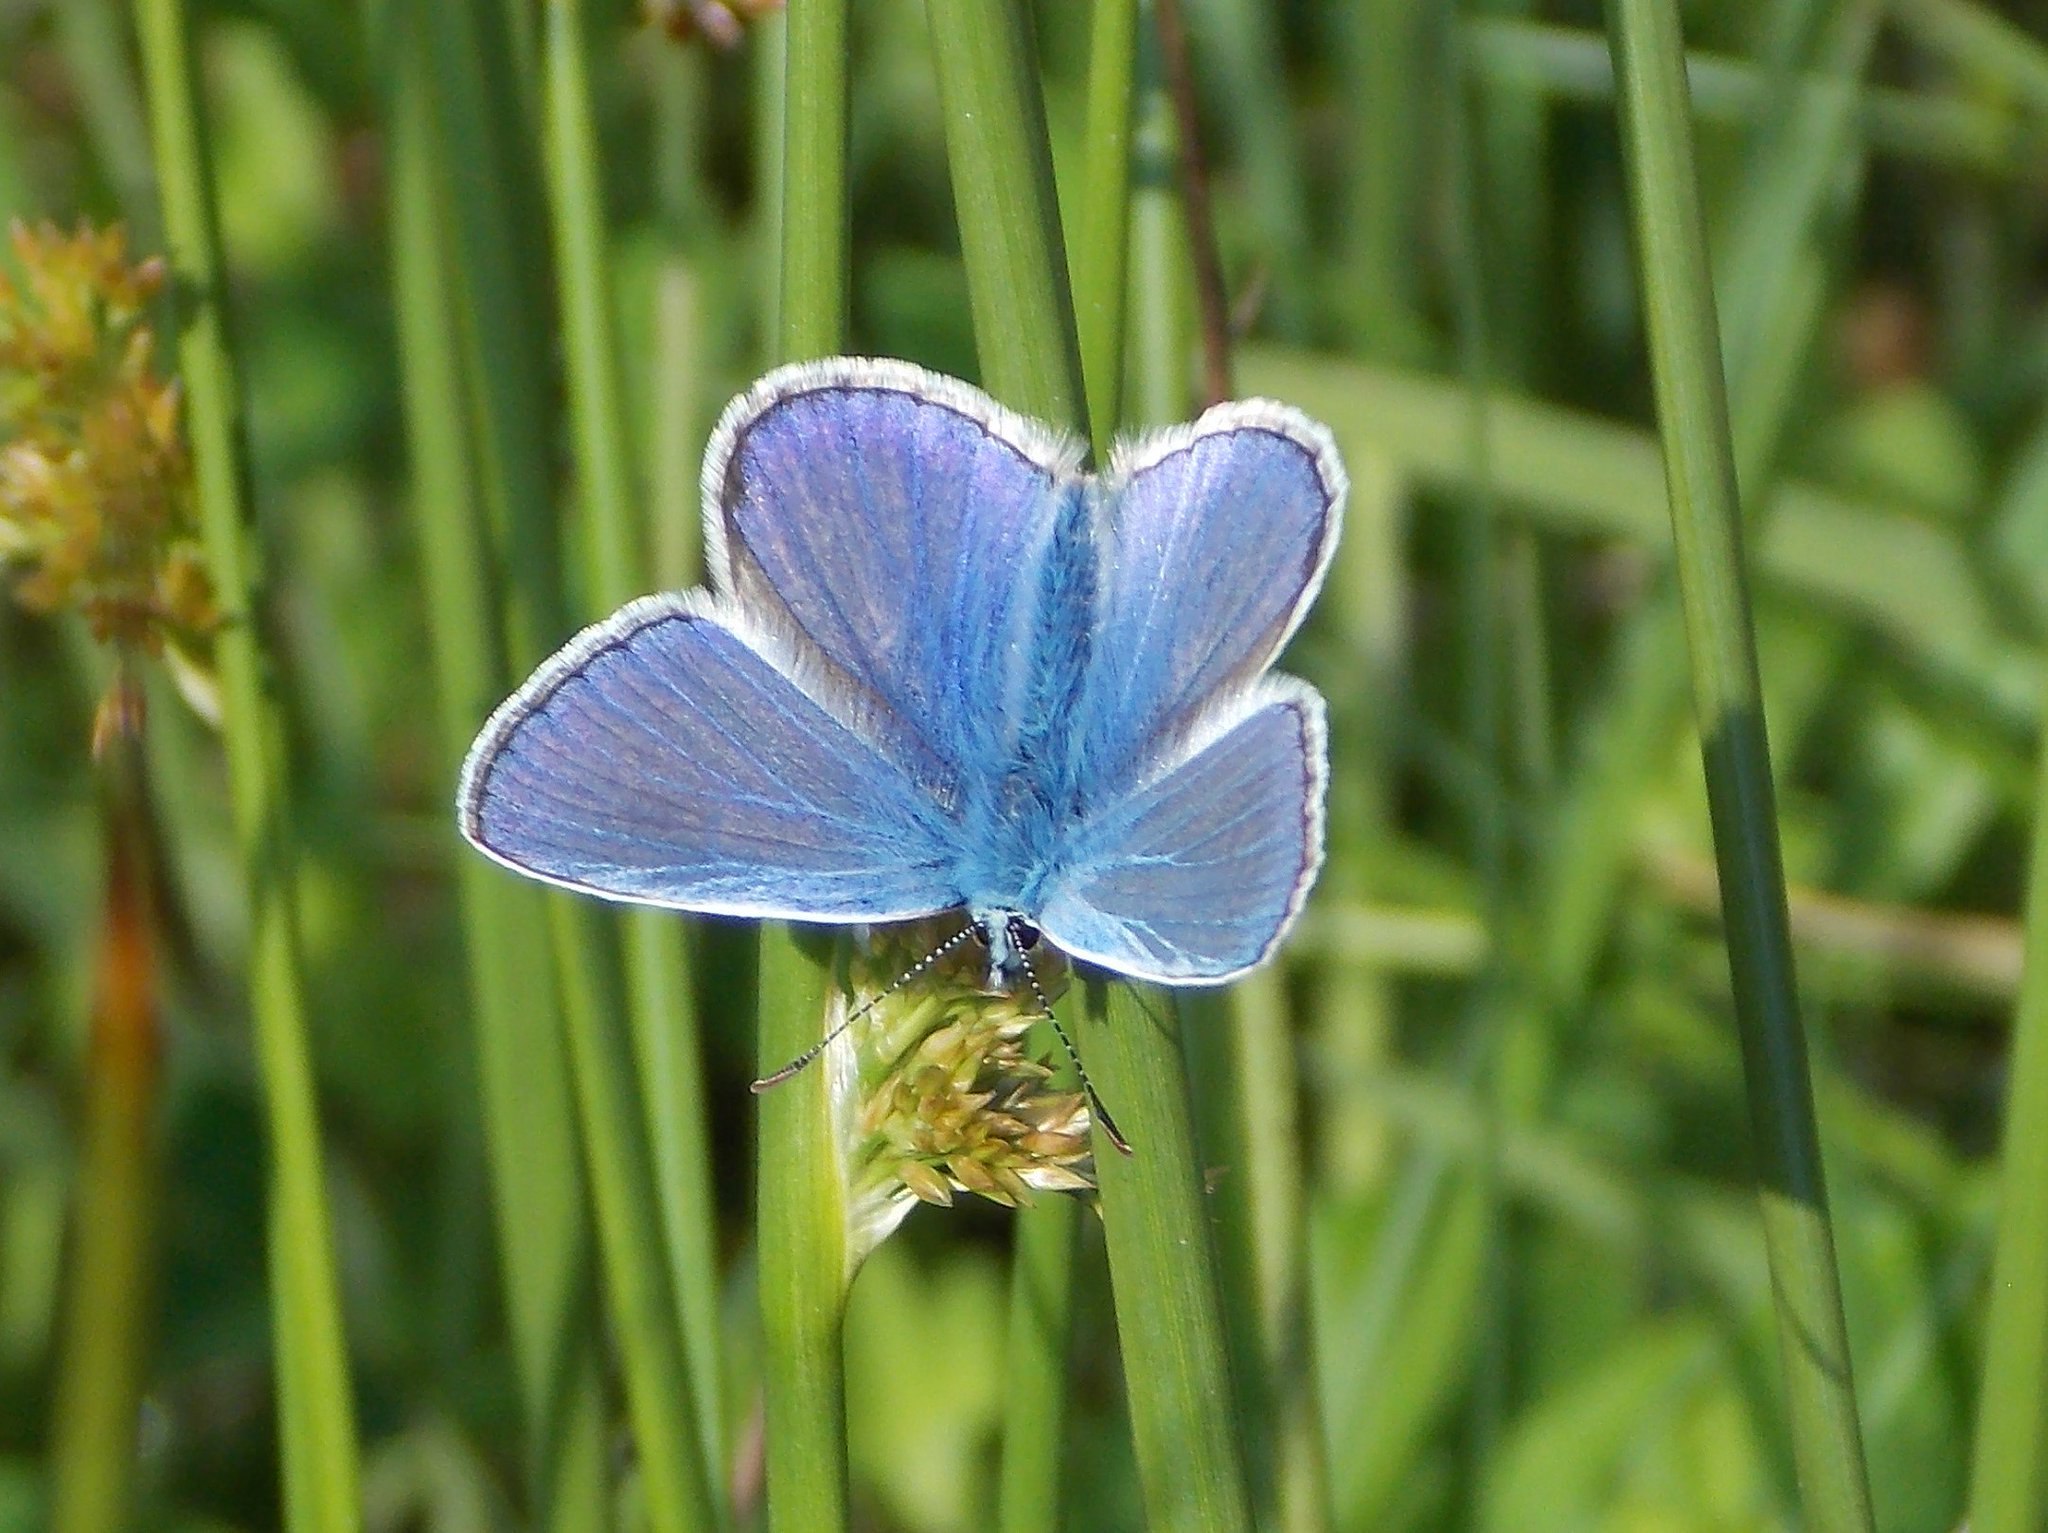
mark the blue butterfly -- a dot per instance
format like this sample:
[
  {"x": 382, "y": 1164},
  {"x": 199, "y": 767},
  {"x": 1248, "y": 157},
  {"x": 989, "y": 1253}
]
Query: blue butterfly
[{"x": 940, "y": 667}]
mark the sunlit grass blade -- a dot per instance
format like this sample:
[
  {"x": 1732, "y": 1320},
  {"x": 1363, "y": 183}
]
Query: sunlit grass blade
[
  {"x": 801, "y": 1225},
  {"x": 800, "y": 1192},
  {"x": 1168, "y": 1310},
  {"x": 1170, "y": 1323},
  {"x": 529, "y": 1115},
  {"x": 1024, "y": 321},
  {"x": 1240, "y": 1047},
  {"x": 316, "y": 1402},
  {"x": 1100, "y": 255},
  {"x": 2009, "y": 1481},
  {"x": 1042, "y": 1262},
  {"x": 1700, "y": 467}
]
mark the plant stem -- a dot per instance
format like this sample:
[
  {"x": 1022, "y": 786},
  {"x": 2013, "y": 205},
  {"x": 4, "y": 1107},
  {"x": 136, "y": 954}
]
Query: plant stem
[
  {"x": 1025, "y": 328},
  {"x": 2009, "y": 1480},
  {"x": 1168, "y": 1306},
  {"x": 1239, "y": 1042},
  {"x": 801, "y": 1219},
  {"x": 800, "y": 1183},
  {"x": 813, "y": 230},
  {"x": 1009, "y": 217},
  {"x": 106, "y": 1330},
  {"x": 315, "y": 1400},
  {"x": 1240, "y": 1046},
  {"x": 1649, "y": 66},
  {"x": 1101, "y": 257},
  {"x": 663, "y": 1018},
  {"x": 1035, "y": 1366},
  {"x": 529, "y": 1114}
]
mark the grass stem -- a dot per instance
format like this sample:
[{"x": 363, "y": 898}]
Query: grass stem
[
  {"x": 662, "y": 1016},
  {"x": 110, "y": 1284},
  {"x": 1649, "y": 66},
  {"x": 529, "y": 1114},
  {"x": 800, "y": 1188},
  {"x": 316, "y": 1402}
]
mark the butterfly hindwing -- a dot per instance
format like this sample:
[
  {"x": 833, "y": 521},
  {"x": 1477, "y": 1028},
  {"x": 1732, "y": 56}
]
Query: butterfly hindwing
[
  {"x": 660, "y": 758},
  {"x": 1194, "y": 877}
]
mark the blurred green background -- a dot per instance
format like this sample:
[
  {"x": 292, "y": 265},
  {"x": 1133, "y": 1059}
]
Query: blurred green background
[{"x": 1407, "y": 200}]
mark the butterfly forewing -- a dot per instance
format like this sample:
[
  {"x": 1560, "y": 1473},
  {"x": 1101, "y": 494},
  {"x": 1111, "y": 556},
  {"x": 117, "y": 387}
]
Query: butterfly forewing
[
  {"x": 661, "y": 759},
  {"x": 894, "y": 520}
]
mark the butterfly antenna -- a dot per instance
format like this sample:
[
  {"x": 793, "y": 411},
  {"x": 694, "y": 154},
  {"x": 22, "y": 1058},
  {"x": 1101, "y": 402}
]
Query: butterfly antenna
[
  {"x": 1109, "y": 1128},
  {"x": 797, "y": 1065}
]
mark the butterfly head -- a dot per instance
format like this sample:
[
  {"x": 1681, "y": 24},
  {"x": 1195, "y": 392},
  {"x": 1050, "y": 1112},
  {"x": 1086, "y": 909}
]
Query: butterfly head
[{"x": 1008, "y": 937}]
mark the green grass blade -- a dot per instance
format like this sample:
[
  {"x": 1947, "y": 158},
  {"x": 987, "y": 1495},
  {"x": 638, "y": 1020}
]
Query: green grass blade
[
  {"x": 1101, "y": 255},
  {"x": 1041, "y": 1324},
  {"x": 1168, "y": 1306},
  {"x": 813, "y": 231},
  {"x": 800, "y": 1191},
  {"x": 1240, "y": 1042},
  {"x": 1700, "y": 467},
  {"x": 1024, "y": 323},
  {"x": 103, "y": 1364},
  {"x": 662, "y": 1016},
  {"x": 2009, "y": 1480},
  {"x": 543, "y": 1233},
  {"x": 801, "y": 1215},
  {"x": 507, "y": 372},
  {"x": 316, "y": 1407},
  {"x": 1240, "y": 1045},
  {"x": 1008, "y": 213}
]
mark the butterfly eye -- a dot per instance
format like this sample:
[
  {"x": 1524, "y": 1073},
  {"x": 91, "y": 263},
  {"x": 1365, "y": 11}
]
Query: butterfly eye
[{"x": 1025, "y": 933}]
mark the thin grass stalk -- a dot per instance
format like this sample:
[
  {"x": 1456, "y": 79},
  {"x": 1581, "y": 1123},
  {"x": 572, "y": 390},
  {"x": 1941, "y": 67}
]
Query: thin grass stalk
[
  {"x": 1003, "y": 195},
  {"x": 1168, "y": 1310},
  {"x": 2009, "y": 1467},
  {"x": 1031, "y": 358},
  {"x": 655, "y": 942},
  {"x": 1239, "y": 1042},
  {"x": 1159, "y": 349},
  {"x": 801, "y": 1195},
  {"x": 1035, "y": 1356},
  {"x": 682, "y": 345},
  {"x": 316, "y": 1403},
  {"x": 110, "y": 1281},
  {"x": 671, "y": 1055},
  {"x": 801, "y": 1227},
  {"x": 506, "y": 372},
  {"x": 1041, "y": 1305},
  {"x": 1101, "y": 256},
  {"x": 1163, "y": 1266},
  {"x": 543, "y": 1232},
  {"x": 1649, "y": 65},
  {"x": 1212, "y": 300},
  {"x": 1240, "y": 1047},
  {"x": 673, "y": 1478}
]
